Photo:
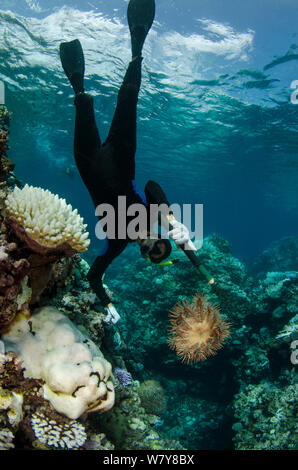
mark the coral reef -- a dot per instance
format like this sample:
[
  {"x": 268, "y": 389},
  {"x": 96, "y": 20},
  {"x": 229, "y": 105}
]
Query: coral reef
[
  {"x": 6, "y": 165},
  {"x": 14, "y": 291},
  {"x": 74, "y": 372},
  {"x": 45, "y": 222},
  {"x": 69, "y": 435},
  {"x": 29, "y": 265},
  {"x": 152, "y": 397},
  {"x": 14, "y": 267},
  {"x": 6, "y": 438},
  {"x": 263, "y": 313},
  {"x": 197, "y": 330},
  {"x": 130, "y": 427},
  {"x": 281, "y": 255},
  {"x": 27, "y": 419},
  {"x": 3, "y": 141},
  {"x": 124, "y": 377},
  {"x": 41, "y": 426},
  {"x": 4, "y": 116},
  {"x": 59, "y": 360},
  {"x": 266, "y": 417}
]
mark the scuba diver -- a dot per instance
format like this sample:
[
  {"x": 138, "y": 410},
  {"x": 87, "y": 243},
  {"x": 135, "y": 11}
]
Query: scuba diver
[{"x": 108, "y": 169}]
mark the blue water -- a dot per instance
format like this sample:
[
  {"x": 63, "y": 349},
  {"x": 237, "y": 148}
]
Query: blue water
[
  {"x": 215, "y": 121},
  {"x": 216, "y": 126}
]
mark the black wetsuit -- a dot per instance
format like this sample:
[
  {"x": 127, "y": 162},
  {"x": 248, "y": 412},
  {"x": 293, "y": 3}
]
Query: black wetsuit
[{"x": 108, "y": 169}]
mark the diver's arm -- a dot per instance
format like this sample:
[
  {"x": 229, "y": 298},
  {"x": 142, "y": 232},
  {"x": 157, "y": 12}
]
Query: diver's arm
[
  {"x": 112, "y": 314},
  {"x": 94, "y": 277},
  {"x": 155, "y": 194},
  {"x": 178, "y": 232}
]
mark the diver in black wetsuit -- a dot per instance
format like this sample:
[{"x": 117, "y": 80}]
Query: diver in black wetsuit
[{"x": 108, "y": 169}]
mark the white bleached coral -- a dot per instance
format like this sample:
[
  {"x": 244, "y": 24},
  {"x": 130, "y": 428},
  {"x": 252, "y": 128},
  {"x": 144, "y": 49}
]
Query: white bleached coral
[
  {"x": 6, "y": 438},
  {"x": 69, "y": 435},
  {"x": 46, "y": 219},
  {"x": 75, "y": 373}
]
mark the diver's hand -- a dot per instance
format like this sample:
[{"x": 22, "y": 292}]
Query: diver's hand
[
  {"x": 112, "y": 314},
  {"x": 180, "y": 234},
  {"x": 189, "y": 245}
]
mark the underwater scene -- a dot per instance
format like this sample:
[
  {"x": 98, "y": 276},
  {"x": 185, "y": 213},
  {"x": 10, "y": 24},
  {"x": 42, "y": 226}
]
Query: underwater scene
[{"x": 148, "y": 225}]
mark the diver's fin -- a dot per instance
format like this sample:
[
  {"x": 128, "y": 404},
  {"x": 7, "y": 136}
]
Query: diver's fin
[
  {"x": 73, "y": 63},
  {"x": 140, "y": 16}
]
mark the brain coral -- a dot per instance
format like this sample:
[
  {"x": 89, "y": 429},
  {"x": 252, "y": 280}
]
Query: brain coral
[
  {"x": 45, "y": 222},
  {"x": 76, "y": 375}
]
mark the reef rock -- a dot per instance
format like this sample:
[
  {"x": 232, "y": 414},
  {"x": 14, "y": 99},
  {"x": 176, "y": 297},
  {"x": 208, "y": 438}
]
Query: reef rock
[{"x": 280, "y": 255}]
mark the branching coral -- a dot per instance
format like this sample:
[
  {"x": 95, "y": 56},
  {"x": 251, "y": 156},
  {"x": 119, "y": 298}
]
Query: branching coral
[
  {"x": 45, "y": 222},
  {"x": 66, "y": 435},
  {"x": 47, "y": 229},
  {"x": 197, "y": 329}
]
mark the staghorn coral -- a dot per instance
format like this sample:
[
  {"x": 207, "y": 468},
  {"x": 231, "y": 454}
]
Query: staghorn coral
[
  {"x": 197, "y": 329},
  {"x": 45, "y": 222}
]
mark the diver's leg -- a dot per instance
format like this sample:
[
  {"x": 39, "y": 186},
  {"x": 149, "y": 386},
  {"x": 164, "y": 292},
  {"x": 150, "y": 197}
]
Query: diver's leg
[
  {"x": 122, "y": 132},
  {"x": 86, "y": 140},
  {"x": 122, "y": 135}
]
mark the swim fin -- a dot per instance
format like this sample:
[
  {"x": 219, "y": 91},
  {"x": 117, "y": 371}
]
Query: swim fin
[
  {"x": 73, "y": 63},
  {"x": 140, "y": 16}
]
